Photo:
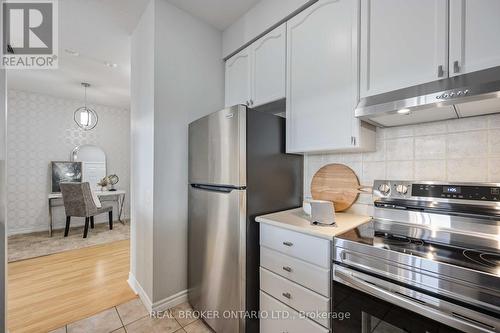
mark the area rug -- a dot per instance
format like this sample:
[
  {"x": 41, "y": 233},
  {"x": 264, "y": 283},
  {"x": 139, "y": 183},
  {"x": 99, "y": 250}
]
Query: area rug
[{"x": 37, "y": 244}]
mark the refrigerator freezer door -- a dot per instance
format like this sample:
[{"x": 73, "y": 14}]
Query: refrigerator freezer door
[
  {"x": 217, "y": 148},
  {"x": 217, "y": 254}
]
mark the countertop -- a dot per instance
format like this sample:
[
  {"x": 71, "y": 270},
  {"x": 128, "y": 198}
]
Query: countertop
[{"x": 297, "y": 220}]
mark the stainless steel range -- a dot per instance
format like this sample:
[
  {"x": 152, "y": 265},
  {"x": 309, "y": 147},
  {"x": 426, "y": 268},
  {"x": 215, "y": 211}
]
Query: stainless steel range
[{"x": 429, "y": 261}]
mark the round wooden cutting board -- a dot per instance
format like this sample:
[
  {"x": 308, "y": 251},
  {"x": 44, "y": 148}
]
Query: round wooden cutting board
[{"x": 337, "y": 183}]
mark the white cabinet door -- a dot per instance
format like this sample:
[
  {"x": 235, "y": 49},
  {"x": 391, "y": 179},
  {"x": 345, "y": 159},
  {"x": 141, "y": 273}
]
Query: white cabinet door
[
  {"x": 322, "y": 84},
  {"x": 474, "y": 35},
  {"x": 403, "y": 43},
  {"x": 268, "y": 67},
  {"x": 238, "y": 78}
]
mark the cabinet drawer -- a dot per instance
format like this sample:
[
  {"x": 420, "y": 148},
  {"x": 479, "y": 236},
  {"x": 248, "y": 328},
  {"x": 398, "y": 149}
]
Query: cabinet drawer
[
  {"x": 313, "y": 277},
  {"x": 295, "y": 296},
  {"x": 308, "y": 248},
  {"x": 288, "y": 320}
]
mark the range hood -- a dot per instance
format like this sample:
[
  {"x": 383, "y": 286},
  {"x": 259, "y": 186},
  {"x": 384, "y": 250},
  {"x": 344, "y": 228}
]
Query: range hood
[{"x": 466, "y": 95}]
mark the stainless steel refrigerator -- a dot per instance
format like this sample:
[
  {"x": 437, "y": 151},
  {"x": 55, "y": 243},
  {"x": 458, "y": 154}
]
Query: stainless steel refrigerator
[{"x": 238, "y": 170}]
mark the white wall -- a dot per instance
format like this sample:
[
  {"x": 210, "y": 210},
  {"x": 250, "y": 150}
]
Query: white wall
[
  {"x": 142, "y": 150},
  {"x": 258, "y": 19},
  {"x": 41, "y": 129},
  {"x": 465, "y": 150},
  {"x": 188, "y": 82}
]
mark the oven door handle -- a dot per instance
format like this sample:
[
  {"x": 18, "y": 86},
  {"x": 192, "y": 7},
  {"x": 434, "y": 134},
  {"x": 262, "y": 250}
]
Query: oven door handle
[{"x": 347, "y": 276}]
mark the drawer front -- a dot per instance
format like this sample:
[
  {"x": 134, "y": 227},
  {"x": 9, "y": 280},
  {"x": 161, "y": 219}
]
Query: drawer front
[
  {"x": 288, "y": 320},
  {"x": 311, "y": 276},
  {"x": 308, "y": 248},
  {"x": 295, "y": 296}
]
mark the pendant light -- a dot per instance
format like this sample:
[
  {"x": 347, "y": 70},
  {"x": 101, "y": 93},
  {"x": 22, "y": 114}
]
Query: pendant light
[{"x": 85, "y": 117}]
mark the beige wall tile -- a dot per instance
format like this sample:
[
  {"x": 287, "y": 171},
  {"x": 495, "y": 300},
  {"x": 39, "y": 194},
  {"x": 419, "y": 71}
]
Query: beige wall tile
[
  {"x": 378, "y": 155},
  {"x": 467, "y": 124},
  {"x": 430, "y": 147},
  {"x": 430, "y": 170},
  {"x": 494, "y": 121},
  {"x": 431, "y": 128},
  {"x": 467, "y": 144},
  {"x": 494, "y": 170},
  {"x": 455, "y": 150},
  {"x": 468, "y": 170},
  {"x": 494, "y": 142},
  {"x": 372, "y": 171},
  {"x": 400, "y": 149},
  {"x": 398, "y": 132},
  {"x": 401, "y": 170}
]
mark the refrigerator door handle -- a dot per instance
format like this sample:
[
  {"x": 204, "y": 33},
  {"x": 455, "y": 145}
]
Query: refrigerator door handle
[{"x": 217, "y": 188}]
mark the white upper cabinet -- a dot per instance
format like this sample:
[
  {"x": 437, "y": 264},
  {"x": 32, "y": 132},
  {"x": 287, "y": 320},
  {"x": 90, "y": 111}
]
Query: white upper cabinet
[
  {"x": 474, "y": 35},
  {"x": 322, "y": 79},
  {"x": 238, "y": 85},
  {"x": 269, "y": 57},
  {"x": 256, "y": 75},
  {"x": 403, "y": 43}
]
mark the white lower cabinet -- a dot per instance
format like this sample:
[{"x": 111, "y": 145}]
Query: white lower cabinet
[
  {"x": 295, "y": 277},
  {"x": 310, "y": 276},
  {"x": 282, "y": 318},
  {"x": 297, "y": 297},
  {"x": 314, "y": 250}
]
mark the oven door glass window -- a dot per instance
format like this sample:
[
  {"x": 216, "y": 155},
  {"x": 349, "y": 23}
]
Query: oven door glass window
[{"x": 367, "y": 314}]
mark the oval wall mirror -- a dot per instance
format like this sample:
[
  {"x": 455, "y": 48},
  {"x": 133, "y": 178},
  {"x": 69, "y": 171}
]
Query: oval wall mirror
[{"x": 93, "y": 160}]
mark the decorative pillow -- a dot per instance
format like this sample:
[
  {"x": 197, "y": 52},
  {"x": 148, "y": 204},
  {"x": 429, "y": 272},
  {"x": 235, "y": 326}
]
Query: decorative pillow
[{"x": 97, "y": 202}]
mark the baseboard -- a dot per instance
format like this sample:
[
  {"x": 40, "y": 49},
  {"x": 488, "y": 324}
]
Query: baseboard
[
  {"x": 171, "y": 301},
  {"x": 137, "y": 289},
  {"x": 162, "y": 305}
]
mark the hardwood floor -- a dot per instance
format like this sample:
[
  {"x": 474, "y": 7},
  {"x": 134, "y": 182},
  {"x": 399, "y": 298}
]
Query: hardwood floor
[{"x": 48, "y": 292}]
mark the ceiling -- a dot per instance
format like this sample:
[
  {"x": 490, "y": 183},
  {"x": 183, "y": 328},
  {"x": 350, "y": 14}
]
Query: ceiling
[
  {"x": 99, "y": 30},
  {"x": 218, "y": 13}
]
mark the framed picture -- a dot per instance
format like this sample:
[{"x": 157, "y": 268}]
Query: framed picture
[{"x": 65, "y": 172}]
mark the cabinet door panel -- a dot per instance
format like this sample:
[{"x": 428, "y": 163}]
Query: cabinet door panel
[
  {"x": 322, "y": 80},
  {"x": 403, "y": 43},
  {"x": 238, "y": 78},
  {"x": 277, "y": 318},
  {"x": 474, "y": 35},
  {"x": 269, "y": 57}
]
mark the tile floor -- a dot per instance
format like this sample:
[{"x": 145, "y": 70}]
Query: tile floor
[{"x": 132, "y": 317}]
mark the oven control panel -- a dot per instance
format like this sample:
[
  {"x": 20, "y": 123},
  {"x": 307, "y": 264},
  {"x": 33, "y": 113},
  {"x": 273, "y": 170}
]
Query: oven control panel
[
  {"x": 461, "y": 192},
  {"x": 392, "y": 189}
]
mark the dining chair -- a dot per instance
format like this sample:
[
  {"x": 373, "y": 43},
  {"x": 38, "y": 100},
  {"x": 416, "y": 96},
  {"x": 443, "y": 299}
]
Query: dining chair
[{"x": 78, "y": 202}]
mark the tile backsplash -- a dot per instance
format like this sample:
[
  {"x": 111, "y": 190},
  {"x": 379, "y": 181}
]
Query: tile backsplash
[{"x": 465, "y": 149}]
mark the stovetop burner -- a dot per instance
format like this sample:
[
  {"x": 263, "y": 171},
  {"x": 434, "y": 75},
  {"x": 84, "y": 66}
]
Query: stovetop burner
[
  {"x": 397, "y": 240},
  {"x": 477, "y": 259},
  {"x": 486, "y": 259}
]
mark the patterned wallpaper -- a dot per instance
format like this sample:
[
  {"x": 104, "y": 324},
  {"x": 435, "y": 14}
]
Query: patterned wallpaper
[
  {"x": 466, "y": 149},
  {"x": 40, "y": 129}
]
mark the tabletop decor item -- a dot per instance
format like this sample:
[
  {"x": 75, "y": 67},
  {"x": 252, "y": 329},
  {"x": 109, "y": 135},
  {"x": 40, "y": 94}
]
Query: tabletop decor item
[
  {"x": 65, "y": 172},
  {"x": 109, "y": 182},
  {"x": 103, "y": 183},
  {"x": 113, "y": 180}
]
